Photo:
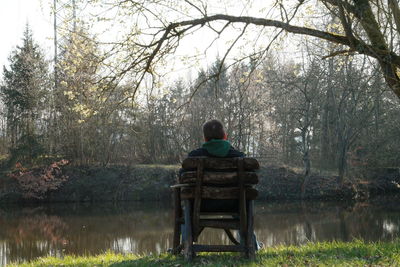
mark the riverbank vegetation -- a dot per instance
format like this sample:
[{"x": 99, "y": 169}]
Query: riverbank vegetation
[
  {"x": 355, "y": 253},
  {"x": 60, "y": 182}
]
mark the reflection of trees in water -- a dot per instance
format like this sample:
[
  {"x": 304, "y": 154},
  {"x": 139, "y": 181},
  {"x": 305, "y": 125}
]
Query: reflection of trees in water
[
  {"x": 32, "y": 234},
  {"x": 49, "y": 228},
  {"x": 373, "y": 222},
  {"x": 297, "y": 223},
  {"x": 66, "y": 229},
  {"x": 3, "y": 253}
]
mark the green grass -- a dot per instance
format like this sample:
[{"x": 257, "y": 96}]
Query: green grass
[{"x": 356, "y": 253}]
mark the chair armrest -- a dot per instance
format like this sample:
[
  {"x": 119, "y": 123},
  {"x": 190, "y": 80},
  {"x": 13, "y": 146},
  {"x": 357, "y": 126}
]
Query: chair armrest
[{"x": 182, "y": 185}]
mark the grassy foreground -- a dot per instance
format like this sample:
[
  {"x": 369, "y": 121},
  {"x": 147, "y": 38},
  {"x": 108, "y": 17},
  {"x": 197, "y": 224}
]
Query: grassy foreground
[{"x": 356, "y": 253}]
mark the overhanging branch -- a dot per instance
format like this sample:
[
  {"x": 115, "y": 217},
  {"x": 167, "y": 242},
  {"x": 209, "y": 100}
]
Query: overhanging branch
[{"x": 358, "y": 45}]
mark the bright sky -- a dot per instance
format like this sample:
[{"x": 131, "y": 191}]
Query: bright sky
[{"x": 14, "y": 14}]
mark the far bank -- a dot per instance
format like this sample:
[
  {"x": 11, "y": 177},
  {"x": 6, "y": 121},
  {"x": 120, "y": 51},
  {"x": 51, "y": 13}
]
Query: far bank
[{"x": 60, "y": 182}]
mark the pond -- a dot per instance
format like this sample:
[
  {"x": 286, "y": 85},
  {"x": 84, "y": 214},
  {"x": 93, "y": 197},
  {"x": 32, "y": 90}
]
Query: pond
[{"x": 28, "y": 232}]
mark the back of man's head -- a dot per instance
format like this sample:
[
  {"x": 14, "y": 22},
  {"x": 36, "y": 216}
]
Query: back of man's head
[{"x": 213, "y": 129}]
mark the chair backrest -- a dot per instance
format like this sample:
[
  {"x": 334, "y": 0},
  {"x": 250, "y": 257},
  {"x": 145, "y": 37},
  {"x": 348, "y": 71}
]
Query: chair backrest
[
  {"x": 219, "y": 178},
  {"x": 220, "y": 163}
]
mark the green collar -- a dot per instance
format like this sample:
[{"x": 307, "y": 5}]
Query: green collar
[{"x": 217, "y": 147}]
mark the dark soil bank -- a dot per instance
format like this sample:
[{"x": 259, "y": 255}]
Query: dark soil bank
[
  {"x": 283, "y": 183},
  {"x": 151, "y": 183}
]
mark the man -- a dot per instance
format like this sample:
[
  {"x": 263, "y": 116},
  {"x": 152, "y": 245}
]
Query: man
[{"x": 216, "y": 143}]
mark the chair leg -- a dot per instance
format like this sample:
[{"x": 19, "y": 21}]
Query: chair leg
[
  {"x": 243, "y": 239},
  {"x": 177, "y": 223},
  {"x": 250, "y": 232},
  {"x": 188, "y": 235}
]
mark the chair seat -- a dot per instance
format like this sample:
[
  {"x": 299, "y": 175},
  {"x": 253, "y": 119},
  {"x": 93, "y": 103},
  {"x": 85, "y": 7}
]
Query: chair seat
[
  {"x": 210, "y": 192},
  {"x": 222, "y": 178}
]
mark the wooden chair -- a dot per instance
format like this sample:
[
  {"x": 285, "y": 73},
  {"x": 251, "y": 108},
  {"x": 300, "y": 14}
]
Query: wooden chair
[{"x": 229, "y": 179}]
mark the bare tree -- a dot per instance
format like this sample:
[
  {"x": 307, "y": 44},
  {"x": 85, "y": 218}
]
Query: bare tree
[{"x": 369, "y": 27}]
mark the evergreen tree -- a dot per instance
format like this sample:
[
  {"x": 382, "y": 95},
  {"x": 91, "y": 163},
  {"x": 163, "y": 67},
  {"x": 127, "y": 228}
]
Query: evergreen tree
[{"x": 24, "y": 93}]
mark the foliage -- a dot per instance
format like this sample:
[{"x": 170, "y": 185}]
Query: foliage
[
  {"x": 77, "y": 96},
  {"x": 355, "y": 253},
  {"x": 36, "y": 183},
  {"x": 28, "y": 150},
  {"x": 24, "y": 95}
]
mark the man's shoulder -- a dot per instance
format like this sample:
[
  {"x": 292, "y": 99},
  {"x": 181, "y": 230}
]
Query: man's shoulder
[
  {"x": 233, "y": 153},
  {"x": 200, "y": 152}
]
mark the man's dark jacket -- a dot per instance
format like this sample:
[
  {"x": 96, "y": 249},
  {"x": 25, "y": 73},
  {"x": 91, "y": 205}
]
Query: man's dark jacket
[
  {"x": 216, "y": 148},
  {"x": 202, "y": 152}
]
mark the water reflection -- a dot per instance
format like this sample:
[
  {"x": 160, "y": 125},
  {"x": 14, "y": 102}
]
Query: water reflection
[
  {"x": 298, "y": 223},
  {"x": 57, "y": 230}
]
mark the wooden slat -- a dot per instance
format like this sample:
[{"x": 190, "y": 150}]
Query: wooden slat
[
  {"x": 221, "y": 224},
  {"x": 219, "y": 193},
  {"x": 219, "y": 177},
  {"x": 219, "y": 215},
  {"x": 220, "y": 163},
  {"x": 218, "y": 248},
  {"x": 181, "y": 185}
]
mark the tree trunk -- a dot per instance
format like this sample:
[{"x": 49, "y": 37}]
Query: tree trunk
[{"x": 342, "y": 158}]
